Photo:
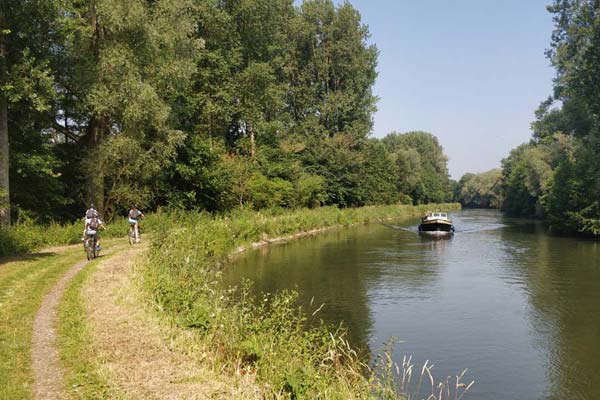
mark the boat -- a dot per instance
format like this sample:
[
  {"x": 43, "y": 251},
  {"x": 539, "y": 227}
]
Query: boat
[{"x": 436, "y": 223}]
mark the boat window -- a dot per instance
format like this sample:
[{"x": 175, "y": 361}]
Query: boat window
[
  {"x": 443, "y": 215},
  {"x": 436, "y": 215}
]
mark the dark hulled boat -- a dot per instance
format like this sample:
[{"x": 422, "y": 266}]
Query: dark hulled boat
[{"x": 436, "y": 223}]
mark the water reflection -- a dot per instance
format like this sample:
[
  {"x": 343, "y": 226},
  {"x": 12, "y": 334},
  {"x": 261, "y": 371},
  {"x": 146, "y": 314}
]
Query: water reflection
[
  {"x": 518, "y": 307},
  {"x": 562, "y": 276},
  {"x": 345, "y": 270}
]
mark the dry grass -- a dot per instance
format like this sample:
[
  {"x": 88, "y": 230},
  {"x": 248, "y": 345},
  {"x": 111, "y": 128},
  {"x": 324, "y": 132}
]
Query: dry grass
[
  {"x": 393, "y": 378},
  {"x": 141, "y": 357}
]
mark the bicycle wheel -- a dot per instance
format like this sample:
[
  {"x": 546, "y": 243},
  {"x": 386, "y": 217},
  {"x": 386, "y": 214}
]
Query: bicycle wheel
[
  {"x": 88, "y": 251},
  {"x": 131, "y": 236}
]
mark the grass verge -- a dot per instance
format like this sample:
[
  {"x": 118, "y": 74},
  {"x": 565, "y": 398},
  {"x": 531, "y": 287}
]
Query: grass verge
[
  {"x": 268, "y": 338},
  {"x": 23, "y": 286}
]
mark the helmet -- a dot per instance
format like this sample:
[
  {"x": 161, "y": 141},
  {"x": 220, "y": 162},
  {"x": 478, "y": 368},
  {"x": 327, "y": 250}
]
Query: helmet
[{"x": 92, "y": 205}]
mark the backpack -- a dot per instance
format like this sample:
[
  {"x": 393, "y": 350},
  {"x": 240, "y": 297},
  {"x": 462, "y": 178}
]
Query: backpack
[{"x": 94, "y": 223}]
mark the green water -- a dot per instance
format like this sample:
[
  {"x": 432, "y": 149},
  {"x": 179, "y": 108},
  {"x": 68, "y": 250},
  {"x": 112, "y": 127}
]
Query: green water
[{"x": 518, "y": 307}]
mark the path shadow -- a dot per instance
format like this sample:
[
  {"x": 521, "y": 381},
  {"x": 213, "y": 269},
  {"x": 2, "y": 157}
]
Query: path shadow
[{"x": 26, "y": 257}]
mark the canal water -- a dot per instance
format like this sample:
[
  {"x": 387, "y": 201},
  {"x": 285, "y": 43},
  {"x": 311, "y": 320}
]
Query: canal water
[{"x": 518, "y": 307}]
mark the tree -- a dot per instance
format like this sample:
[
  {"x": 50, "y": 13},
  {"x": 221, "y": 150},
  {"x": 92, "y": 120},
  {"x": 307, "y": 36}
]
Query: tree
[
  {"x": 556, "y": 174},
  {"x": 25, "y": 80},
  {"x": 482, "y": 190},
  {"x": 423, "y": 171},
  {"x": 122, "y": 67},
  {"x": 331, "y": 71}
]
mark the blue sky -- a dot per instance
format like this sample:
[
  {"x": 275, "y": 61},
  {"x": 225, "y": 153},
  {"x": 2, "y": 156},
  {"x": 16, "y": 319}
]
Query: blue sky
[{"x": 472, "y": 72}]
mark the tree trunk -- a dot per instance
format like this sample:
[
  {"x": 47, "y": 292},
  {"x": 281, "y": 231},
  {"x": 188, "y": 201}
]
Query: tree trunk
[
  {"x": 4, "y": 164},
  {"x": 252, "y": 141},
  {"x": 95, "y": 175},
  {"x": 4, "y": 153},
  {"x": 96, "y": 127}
]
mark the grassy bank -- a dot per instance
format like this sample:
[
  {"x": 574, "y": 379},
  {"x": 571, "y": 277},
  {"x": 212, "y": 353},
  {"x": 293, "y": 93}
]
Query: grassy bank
[{"x": 267, "y": 338}]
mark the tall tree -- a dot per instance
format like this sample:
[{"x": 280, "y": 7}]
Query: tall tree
[
  {"x": 423, "y": 166},
  {"x": 25, "y": 82},
  {"x": 557, "y": 174},
  {"x": 124, "y": 66}
]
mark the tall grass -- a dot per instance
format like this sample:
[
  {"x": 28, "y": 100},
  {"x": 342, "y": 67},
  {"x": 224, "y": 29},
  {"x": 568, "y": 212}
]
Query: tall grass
[{"x": 267, "y": 337}]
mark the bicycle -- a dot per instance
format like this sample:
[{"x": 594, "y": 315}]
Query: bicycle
[
  {"x": 90, "y": 247},
  {"x": 131, "y": 235}
]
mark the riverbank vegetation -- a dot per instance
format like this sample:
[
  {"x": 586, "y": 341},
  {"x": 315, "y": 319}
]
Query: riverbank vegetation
[
  {"x": 555, "y": 176},
  {"x": 283, "y": 346}
]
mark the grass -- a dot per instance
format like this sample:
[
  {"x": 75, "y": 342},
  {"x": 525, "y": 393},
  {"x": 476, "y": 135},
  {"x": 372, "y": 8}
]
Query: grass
[
  {"x": 24, "y": 282},
  {"x": 267, "y": 337},
  {"x": 23, "y": 285},
  {"x": 82, "y": 375}
]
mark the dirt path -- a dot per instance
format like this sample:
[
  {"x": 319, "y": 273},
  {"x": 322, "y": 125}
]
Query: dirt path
[
  {"x": 139, "y": 354},
  {"x": 47, "y": 370}
]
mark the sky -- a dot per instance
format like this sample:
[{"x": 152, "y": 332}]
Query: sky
[{"x": 472, "y": 72}]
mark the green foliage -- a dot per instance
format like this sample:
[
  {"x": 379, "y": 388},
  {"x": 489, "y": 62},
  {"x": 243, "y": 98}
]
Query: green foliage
[
  {"x": 557, "y": 174},
  {"x": 35, "y": 164},
  {"x": 311, "y": 191},
  {"x": 573, "y": 200},
  {"x": 422, "y": 166},
  {"x": 197, "y": 178},
  {"x": 480, "y": 190},
  {"x": 131, "y": 170},
  {"x": 201, "y": 105}
]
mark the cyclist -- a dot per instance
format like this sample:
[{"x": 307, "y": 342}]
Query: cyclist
[
  {"x": 92, "y": 228},
  {"x": 134, "y": 216},
  {"x": 89, "y": 214}
]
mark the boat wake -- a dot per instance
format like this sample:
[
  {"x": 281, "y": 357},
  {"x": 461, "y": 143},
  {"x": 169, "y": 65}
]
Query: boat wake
[{"x": 413, "y": 229}]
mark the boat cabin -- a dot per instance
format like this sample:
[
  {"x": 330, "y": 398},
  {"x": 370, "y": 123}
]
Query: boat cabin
[{"x": 435, "y": 215}]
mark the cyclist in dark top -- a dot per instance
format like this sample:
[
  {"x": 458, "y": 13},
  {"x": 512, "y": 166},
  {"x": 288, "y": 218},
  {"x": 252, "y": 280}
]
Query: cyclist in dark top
[{"x": 134, "y": 217}]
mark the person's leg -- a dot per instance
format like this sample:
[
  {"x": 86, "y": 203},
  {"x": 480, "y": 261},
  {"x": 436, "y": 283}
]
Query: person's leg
[{"x": 85, "y": 222}]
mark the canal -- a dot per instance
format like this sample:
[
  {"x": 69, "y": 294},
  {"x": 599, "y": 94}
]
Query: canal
[{"x": 518, "y": 307}]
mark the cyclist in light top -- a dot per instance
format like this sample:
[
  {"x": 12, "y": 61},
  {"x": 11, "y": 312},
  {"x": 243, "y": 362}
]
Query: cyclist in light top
[
  {"x": 134, "y": 216},
  {"x": 92, "y": 227},
  {"x": 89, "y": 214}
]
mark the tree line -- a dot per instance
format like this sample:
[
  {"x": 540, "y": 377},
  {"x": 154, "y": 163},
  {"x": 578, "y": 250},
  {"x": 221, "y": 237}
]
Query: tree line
[
  {"x": 197, "y": 104},
  {"x": 557, "y": 174}
]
